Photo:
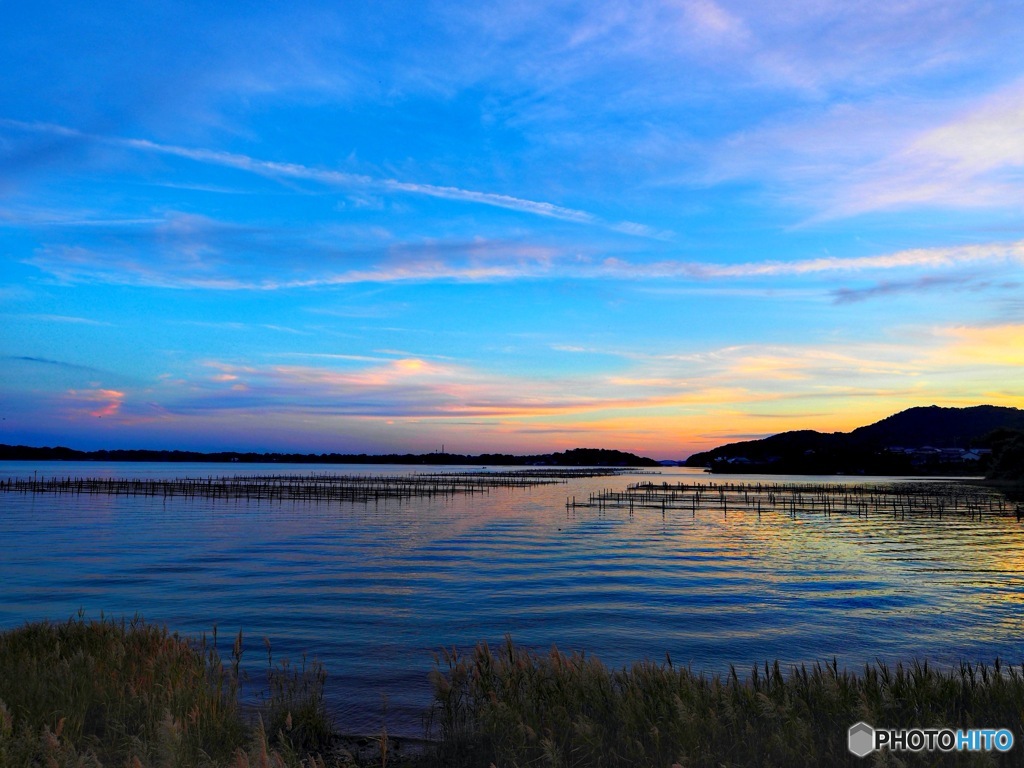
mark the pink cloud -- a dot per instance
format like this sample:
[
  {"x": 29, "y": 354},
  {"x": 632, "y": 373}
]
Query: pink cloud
[{"x": 97, "y": 402}]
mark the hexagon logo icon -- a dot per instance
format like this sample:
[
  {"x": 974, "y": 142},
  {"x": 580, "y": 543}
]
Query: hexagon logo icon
[{"x": 861, "y": 739}]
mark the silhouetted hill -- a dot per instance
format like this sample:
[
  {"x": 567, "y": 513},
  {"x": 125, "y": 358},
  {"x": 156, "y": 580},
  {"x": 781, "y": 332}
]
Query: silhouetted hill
[
  {"x": 923, "y": 440},
  {"x": 939, "y": 427},
  {"x": 577, "y": 457}
]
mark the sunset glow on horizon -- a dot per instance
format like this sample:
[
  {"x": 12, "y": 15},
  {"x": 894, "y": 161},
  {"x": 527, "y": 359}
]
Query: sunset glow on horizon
[{"x": 520, "y": 227}]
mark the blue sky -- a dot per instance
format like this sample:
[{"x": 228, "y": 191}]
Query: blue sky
[{"x": 516, "y": 227}]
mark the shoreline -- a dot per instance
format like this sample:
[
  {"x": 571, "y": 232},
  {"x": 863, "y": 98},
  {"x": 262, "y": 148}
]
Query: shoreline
[{"x": 575, "y": 457}]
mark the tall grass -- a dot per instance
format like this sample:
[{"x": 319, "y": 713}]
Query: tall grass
[
  {"x": 293, "y": 704},
  {"x": 511, "y": 707},
  {"x": 107, "y": 693}
]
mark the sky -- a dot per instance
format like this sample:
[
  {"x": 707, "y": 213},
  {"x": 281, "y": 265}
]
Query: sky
[{"x": 505, "y": 227}]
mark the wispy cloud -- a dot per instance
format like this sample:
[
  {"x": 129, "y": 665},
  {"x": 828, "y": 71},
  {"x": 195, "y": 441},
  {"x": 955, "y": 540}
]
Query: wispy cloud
[
  {"x": 65, "y": 319},
  {"x": 186, "y": 251},
  {"x": 931, "y": 258},
  {"x": 918, "y": 286},
  {"x": 247, "y": 327},
  {"x": 804, "y": 45},
  {"x": 415, "y": 387},
  {"x": 98, "y": 403},
  {"x": 682, "y": 392},
  {"x": 974, "y": 160},
  {"x": 333, "y": 356},
  {"x": 191, "y": 252},
  {"x": 1000, "y": 345},
  {"x": 397, "y": 388},
  {"x": 371, "y": 310},
  {"x": 891, "y": 150},
  {"x": 343, "y": 180},
  {"x": 54, "y": 363},
  {"x": 48, "y": 219},
  {"x": 621, "y": 269},
  {"x": 15, "y": 293}
]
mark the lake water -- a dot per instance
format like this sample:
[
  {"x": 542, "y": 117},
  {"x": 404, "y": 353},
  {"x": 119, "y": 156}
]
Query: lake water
[{"x": 373, "y": 590}]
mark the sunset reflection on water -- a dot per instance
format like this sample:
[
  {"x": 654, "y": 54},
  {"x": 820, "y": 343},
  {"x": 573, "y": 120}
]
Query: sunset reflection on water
[{"x": 374, "y": 589}]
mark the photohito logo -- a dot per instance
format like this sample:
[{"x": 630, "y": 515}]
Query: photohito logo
[{"x": 862, "y": 739}]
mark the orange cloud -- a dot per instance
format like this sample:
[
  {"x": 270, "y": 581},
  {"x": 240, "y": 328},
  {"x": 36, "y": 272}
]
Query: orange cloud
[
  {"x": 672, "y": 403},
  {"x": 986, "y": 345},
  {"x": 102, "y": 402}
]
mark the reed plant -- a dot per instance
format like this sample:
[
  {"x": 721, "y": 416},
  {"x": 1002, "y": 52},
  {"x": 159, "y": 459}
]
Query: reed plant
[
  {"x": 294, "y": 706},
  {"x": 95, "y": 693},
  {"x": 512, "y": 707},
  {"x": 125, "y": 694}
]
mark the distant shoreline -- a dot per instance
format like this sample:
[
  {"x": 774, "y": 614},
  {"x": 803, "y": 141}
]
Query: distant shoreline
[{"x": 577, "y": 457}]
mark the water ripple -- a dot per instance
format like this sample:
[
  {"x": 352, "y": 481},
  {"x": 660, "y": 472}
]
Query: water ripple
[{"x": 375, "y": 589}]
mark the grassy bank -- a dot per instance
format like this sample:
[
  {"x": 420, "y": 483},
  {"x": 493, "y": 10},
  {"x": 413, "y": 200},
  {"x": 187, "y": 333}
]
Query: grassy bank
[
  {"x": 106, "y": 693},
  {"x": 113, "y": 694},
  {"x": 515, "y": 708}
]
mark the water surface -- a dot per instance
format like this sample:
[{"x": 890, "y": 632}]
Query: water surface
[{"x": 373, "y": 590}]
